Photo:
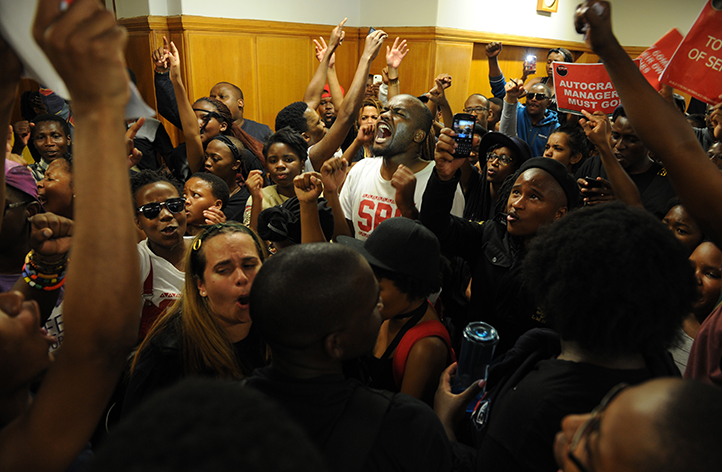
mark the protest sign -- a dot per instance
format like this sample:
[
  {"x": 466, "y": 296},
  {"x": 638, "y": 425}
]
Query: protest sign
[
  {"x": 584, "y": 87},
  {"x": 696, "y": 67},
  {"x": 654, "y": 60}
]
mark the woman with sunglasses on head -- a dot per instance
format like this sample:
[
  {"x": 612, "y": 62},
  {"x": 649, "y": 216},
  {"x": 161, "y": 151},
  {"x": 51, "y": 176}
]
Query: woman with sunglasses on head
[
  {"x": 160, "y": 215},
  {"x": 208, "y": 331}
]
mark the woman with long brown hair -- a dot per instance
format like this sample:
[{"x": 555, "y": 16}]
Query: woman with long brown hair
[{"x": 208, "y": 331}]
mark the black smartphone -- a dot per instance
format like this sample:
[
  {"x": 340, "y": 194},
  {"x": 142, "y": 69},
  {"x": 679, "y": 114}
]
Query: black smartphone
[
  {"x": 371, "y": 30},
  {"x": 593, "y": 182},
  {"x": 463, "y": 126}
]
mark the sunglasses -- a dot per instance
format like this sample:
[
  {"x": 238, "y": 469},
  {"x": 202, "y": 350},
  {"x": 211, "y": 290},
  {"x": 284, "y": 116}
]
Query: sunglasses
[
  {"x": 537, "y": 96},
  {"x": 152, "y": 210}
]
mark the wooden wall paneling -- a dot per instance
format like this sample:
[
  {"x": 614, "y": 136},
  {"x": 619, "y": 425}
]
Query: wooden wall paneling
[
  {"x": 417, "y": 69},
  {"x": 454, "y": 58},
  {"x": 277, "y": 59},
  {"x": 283, "y": 73},
  {"x": 223, "y": 57},
  {"x": 479, "y": 71},
  {"x": 347, "y": 57}
]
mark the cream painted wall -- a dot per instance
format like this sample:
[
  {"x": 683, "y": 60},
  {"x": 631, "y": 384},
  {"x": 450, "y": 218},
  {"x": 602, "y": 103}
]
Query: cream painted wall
[
  {"x": 636, "y": 22},
  {"x": 513, "y": 17},
  {"x": 314, "y": 11},
  {"x": 641, "y": 23},
  {"x": 398, "y": 12}
]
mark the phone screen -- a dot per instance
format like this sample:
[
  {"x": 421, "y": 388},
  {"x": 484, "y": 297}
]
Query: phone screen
[{"x": 463, "y": 126}]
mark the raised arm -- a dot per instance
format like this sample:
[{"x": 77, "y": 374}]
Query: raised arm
[
  {"x": 597, "y": 128},
  {"x": 658, "y": 124},
  {"x": 191, "y": 131},
  {"x": 308, "y": 188},
  {"x": 50, "y": 237},
  {"x": 325, "y": 148},
  {"x": 164, "y": 95},
  {"x": 514, "y": 89},
  {"x": 333, "y": 175},
  {"x": 437, "y": 96},
  {"x": 333, "y": 86},
  {"x": 496, "y": 76},
  {"x": 312, "y": 97},
  {"x": 86, "y": 47},
  {"x": 394, "y": 56}
]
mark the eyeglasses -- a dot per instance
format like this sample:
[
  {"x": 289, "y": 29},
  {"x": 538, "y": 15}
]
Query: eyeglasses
[
  {"x": 536, "y": 96},
  {"x": 503, "y": 159},
  {"x": 475, "y": 109},
  {"x": 10, "y": 206},
  {"x": 152, "y": 210},
  {"x": 592, "y": 424}
]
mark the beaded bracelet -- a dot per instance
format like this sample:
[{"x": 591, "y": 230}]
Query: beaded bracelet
[{"x": 44, "y": 277}]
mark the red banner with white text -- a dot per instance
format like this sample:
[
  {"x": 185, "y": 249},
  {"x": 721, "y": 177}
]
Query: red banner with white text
[
  {"x": 654, "y": 60},
  {"x": 696, "y": 67}
]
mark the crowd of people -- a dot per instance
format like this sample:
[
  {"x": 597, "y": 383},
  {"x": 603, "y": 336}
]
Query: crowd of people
[{"x": 296, "y": 298}]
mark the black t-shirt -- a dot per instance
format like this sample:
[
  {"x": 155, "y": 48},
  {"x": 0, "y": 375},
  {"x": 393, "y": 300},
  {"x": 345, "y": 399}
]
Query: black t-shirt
[
  {"x": 237, "y": 205},
  {"x": 479, "y": 203},
  {"x": 524, "y": 422},
  {"x": 411, "y": 437},
  {"x": 653, "y": 185}
]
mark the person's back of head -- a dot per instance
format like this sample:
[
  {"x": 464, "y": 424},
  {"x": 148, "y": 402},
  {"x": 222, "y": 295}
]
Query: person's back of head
[
  {"x": 208, "y": 425},
  {"x": 292, "y": 116},
  {"x": 612, "y": 279},
  {"x": 329, "y": 303}
]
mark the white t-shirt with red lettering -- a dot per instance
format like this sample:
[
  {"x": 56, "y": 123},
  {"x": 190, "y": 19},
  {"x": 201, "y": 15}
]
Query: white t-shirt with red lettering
[
  {"x": 368, "y": 199},
  {"x": 166, "y": 283}
]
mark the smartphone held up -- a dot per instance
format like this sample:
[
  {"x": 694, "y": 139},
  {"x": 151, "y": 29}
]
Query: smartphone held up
[{"x": 463, "y": 126}]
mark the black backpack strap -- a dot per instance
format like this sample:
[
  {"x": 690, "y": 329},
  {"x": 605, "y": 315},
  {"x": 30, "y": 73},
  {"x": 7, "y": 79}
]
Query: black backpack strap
[{"x": 352, "y": 437}]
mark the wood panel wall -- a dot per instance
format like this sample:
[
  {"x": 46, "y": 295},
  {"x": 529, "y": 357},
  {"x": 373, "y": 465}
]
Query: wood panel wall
[{"x": 272, "y": 62}]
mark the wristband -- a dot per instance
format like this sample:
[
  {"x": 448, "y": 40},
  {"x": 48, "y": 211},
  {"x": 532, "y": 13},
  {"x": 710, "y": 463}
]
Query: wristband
[{"x": 41, "y": 276}]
